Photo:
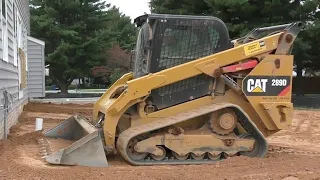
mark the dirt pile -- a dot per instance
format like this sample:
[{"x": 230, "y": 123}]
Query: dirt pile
[
  {"x": 294, "y": 154},
  {"x": 84, "y": 109},
  {"x": 30, "y": 117},
  {"x": 15, "y": 140},
  {"x": 303, "y": 135}
]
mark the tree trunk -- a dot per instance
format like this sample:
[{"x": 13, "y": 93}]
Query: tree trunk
[
  {"x": 83, "y": 85},
  {"x": 64, "y": 89},
  {"x": 299, "y": 77}
]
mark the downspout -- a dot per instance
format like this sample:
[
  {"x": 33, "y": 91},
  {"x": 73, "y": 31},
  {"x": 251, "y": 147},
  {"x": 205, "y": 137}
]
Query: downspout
[{"x": 6, "y": 110}]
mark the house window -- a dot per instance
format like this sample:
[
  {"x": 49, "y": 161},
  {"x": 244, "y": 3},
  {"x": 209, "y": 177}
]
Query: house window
[
  {"x": 5, "y": 41},
  {"x": 4, "y": 8},
  {"x": 14, "y": 20},
  {"x": 4, "y": 31}
]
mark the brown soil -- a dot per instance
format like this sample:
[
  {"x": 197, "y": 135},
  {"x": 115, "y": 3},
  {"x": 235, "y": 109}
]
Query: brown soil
[
  {"x": 295, "y": 154},
  {"x": 83, "y": 109}
]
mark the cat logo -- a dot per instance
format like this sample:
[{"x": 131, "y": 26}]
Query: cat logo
[{"x": 257, "y": 85}]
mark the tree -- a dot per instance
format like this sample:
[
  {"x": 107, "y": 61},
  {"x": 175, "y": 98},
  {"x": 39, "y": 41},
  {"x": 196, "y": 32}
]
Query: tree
[
  {"x": 124, "y": 31},
  {"x": 118, "y": 58},
  {"x": 101, "y": 74},
  {"x": 241, "y": 16},
  {"x": 312, "y": 53},
  {"x": 117, "y": 64},
  {"x": 75, "y": 36},
  {"x": 78, "y": 34},
  {"x": 197, "y": 7}
]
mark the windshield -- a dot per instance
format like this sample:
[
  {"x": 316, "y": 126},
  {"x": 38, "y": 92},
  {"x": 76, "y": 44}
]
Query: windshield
[{"x": 182, "y": 44}]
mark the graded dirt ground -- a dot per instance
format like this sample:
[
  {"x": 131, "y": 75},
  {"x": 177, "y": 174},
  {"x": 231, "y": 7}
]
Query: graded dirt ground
[{"x": 293, "y": 154}]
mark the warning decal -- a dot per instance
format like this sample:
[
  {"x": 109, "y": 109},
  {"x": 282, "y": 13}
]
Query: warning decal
[
  {"x": 254, "y": 48},
  {"x": 266, "y": 85}
]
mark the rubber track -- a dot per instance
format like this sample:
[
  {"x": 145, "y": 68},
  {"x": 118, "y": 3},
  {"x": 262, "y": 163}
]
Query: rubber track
[{"x": 130, "y": 133}]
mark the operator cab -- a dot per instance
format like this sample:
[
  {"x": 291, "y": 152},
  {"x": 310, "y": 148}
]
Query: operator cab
[{"x": 165, "y": 41}]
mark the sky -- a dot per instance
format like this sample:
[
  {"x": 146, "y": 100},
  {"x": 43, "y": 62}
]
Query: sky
[{"x": 132, "y": 8}]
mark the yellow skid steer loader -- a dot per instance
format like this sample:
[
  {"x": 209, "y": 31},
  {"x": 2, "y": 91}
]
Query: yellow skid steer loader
[{"x": 194, "y": 96}]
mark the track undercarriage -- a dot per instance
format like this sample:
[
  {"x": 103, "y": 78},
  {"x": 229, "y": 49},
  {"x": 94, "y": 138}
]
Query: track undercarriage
[{"x": 166, "y": 141}]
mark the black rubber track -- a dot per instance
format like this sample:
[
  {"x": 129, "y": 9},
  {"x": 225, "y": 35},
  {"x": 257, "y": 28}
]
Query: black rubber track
[{"x": 124, "y": 138}]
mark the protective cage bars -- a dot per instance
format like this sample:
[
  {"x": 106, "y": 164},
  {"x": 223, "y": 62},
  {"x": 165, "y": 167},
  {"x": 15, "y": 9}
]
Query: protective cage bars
[{"x": 177, "y": 41}]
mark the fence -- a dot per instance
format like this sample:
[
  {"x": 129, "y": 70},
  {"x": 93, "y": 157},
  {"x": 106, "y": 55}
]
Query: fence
[
  {"x": 306, "y": 85},
  {"x": 306, "y": 92}
]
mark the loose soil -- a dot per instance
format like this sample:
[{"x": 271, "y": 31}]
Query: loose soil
[{"x": 294, "y": 153}]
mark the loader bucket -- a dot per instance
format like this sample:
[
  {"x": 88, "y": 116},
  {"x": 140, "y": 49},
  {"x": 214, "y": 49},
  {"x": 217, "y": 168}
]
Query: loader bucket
[{"x": 86, "y": 148}]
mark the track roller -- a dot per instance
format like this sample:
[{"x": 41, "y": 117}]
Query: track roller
[
  {"x": 180, "y": 157},
  {"x": 197, "y": 157},
  {"x": 131, "y": 150},
  {"x": 160, "y": 156}
]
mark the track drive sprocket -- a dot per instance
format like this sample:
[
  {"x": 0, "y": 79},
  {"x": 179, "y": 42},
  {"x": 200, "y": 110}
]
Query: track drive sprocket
[{"x": 223, "y": 122}]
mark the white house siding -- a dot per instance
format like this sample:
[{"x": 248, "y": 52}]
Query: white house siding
[
  {"x": 36, "y": 68},
  {"x": 14, "y": 29}
]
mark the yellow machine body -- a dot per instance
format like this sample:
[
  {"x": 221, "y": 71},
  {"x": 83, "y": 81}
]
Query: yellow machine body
[{"x": 233, "y": 119}]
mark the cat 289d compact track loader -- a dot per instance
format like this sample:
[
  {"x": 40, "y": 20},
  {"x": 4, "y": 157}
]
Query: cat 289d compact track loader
[{"x": 194, "y": 97}]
